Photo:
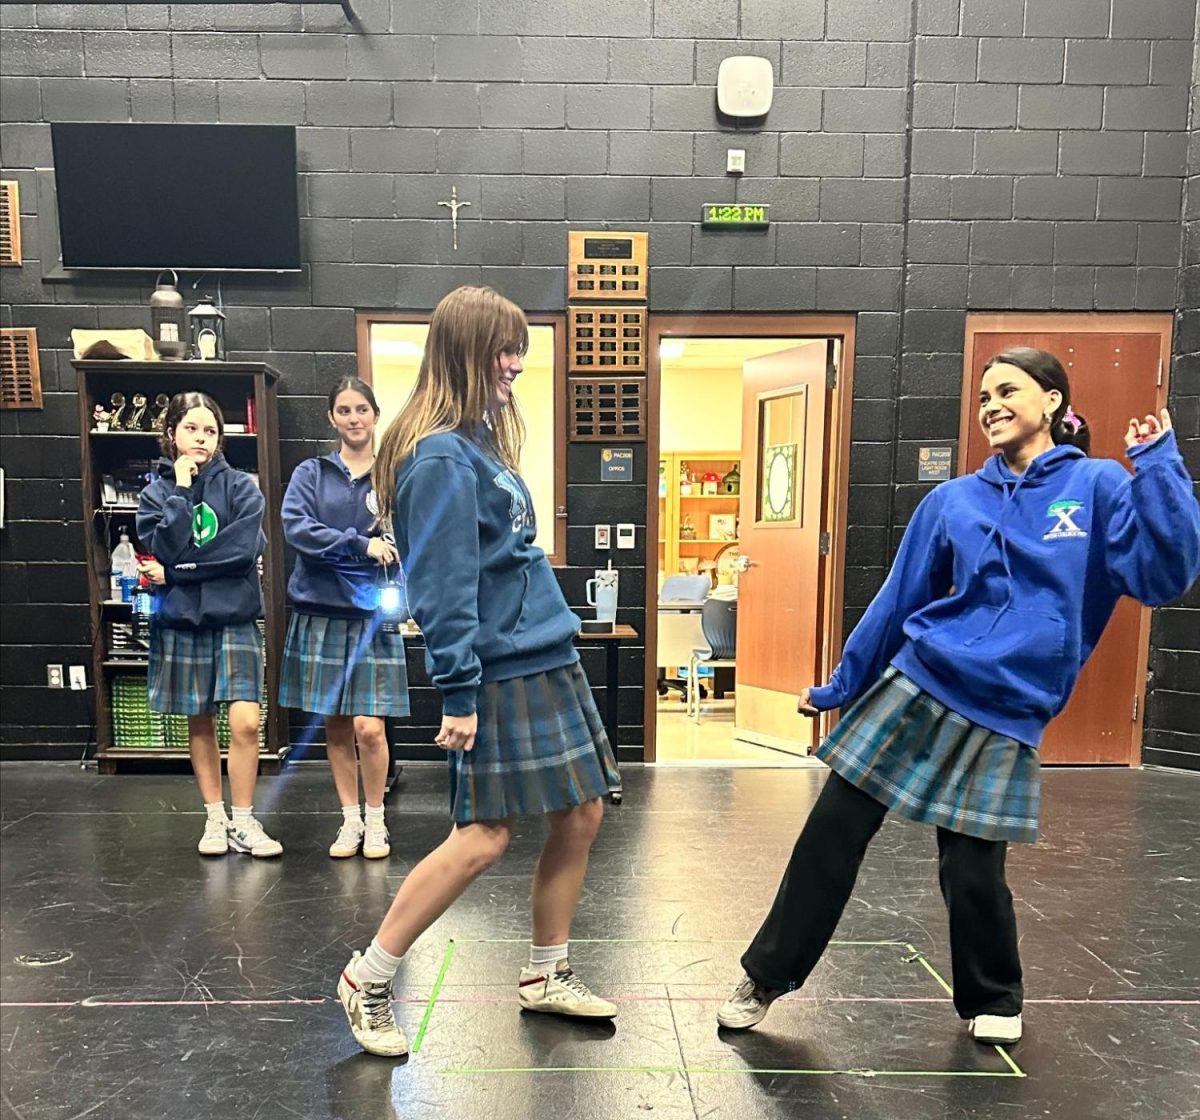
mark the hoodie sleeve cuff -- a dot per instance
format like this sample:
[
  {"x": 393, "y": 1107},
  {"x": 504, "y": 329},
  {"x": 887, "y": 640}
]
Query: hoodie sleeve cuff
[
  {"x": 824, "y": 698},
  {"x": 1166, "y": 440},
  {"x": 459, "y": 701},
  {"x": 362, "y": 544}
]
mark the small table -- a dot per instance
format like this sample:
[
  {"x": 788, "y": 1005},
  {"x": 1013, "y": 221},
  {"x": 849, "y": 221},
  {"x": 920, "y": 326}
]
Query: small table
[{"x": 611, "y": 640}]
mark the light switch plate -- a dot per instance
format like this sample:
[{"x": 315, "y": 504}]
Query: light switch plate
[
  {"x": 735, "y": 161},
  {"x": 603, "y": 536},
  {"x": 78, "y": 677}
]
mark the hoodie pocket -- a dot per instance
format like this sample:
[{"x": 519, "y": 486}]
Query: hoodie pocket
[
  {"x": 545, "y": 618},
  {"x": 1010, "y": 659}
]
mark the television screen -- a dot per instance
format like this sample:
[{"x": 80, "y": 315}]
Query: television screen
[{"x": 201, "y": 197}]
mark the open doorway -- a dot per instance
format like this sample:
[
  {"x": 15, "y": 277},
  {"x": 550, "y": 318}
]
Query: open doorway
[{"x": 743, "y": 594}]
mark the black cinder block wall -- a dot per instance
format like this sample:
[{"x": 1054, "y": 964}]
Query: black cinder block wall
[{"x": 922, "y": 158}]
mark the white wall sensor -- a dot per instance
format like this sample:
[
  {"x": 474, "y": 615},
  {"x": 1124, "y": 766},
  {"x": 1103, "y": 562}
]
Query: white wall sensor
[{"x": 745, "y": 84}]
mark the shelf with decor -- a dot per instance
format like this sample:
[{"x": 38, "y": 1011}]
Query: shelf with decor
[
  {"x": 701, "y": 490},
  {"x": 115, "y": 464}
]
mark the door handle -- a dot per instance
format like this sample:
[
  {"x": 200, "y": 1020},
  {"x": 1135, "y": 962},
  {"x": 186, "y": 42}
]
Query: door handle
[{"x": 744, "y": 564}]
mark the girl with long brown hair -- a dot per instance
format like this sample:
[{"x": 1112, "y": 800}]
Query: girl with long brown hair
[{"x": 519, "y": 722}]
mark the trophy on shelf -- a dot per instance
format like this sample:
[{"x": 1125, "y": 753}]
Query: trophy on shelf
[
  {"x": 137, "y": 413},
  {"x": 100, "y": 418},
  {"x": 161, "y": 403},
  {"x": 118, "y": 412}
]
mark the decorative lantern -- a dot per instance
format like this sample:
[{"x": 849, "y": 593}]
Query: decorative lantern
[
  {"x": 168, "y": 324},
  {"x": 208, "y": 330}
]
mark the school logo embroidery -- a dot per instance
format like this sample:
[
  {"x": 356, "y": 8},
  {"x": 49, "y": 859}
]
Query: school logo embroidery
[
  {"x": 372, "y": 503},
  {"x": 204, "y": 524},
  {"x": 1064, "y": 527},
  {"x": 518, "y": 510}
]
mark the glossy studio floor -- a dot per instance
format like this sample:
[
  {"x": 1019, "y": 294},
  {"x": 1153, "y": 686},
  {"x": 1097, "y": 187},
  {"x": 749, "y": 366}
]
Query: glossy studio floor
[{"x": 141, "y": 980}]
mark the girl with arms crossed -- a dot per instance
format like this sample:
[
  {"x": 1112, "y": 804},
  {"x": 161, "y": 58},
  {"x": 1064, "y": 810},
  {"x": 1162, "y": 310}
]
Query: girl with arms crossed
[
  {"x": 202, "y": 520},
  {"x": 1000, "y": 591},
  {"x": 519, "y": 722},
  {"x": 338, "y": 661}
]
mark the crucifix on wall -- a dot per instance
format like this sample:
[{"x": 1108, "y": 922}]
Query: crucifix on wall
[{"x": 454, "y": 205}]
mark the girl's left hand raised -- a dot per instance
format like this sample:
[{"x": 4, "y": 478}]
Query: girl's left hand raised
[{"x": 1148, "y": 429}]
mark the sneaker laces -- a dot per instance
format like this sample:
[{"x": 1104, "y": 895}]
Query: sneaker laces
[
  {"x": 253, "y": 831},
  {"x": 570, "y": 981},
  {"x": 348, "y": 835},
  {"x": 377, "y": 1003},
  {"x": 748, "y": 990},
  {"x": 215, "y": 828},
  {"x": 374, "y": 832}
]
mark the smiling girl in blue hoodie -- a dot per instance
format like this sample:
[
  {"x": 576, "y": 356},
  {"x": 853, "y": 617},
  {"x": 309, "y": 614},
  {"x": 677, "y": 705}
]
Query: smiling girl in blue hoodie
[
  {"x": 202, "y": 520},
  {"x": 518, "y": 719},
  {"x": 1000, "y": 591},
  {"x": 339, "y": 661}
]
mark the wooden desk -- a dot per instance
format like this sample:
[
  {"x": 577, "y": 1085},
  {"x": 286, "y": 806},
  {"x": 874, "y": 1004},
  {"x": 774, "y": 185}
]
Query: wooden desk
[{"x": 611, "y": 640}]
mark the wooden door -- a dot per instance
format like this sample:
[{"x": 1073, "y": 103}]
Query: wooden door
[
  {"x": 1114, "y": 375},
  {"x": 783, "y": 454}
]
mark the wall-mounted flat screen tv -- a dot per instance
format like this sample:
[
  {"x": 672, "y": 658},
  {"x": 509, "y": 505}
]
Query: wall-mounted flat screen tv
[{"x": 202, "y": 197}]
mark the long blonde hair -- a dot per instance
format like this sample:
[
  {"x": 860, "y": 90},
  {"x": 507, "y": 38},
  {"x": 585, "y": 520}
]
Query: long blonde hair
[{"x": 456, "y": 385}]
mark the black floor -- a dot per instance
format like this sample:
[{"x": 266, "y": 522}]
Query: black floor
[{"x": 142, "y": 980}]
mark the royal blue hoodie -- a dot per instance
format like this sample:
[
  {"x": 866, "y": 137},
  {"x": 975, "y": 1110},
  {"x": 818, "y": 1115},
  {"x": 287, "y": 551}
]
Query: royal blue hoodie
[
  {"x": 482, "y": 592},
  {"x": 1003, "y": 583},
  {"x": 327, "y": 519},
  {"x": 208, "y": 537}
]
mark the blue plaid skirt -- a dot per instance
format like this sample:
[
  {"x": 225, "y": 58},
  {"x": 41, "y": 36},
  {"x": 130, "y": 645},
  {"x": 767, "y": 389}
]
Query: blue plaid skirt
[
  {"x": 928, "y": 763},
  {"x": 540, "y": 746},
  {"x": 192, "y": 671},
  {"x": 343, "y": 667}
]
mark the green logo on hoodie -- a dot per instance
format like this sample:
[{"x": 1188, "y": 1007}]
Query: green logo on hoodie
[
  {"x": 204, "y": 524},
  {"x": 1063, "y": 511}
]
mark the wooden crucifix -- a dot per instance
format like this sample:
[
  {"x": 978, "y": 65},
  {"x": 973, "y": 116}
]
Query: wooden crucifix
[{"x": 454, "y": 206}]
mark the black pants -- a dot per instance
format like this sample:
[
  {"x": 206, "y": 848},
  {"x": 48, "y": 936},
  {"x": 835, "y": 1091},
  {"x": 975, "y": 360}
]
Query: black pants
[{"x": 820, "y": 876}]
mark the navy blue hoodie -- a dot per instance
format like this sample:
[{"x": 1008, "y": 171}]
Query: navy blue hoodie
[
  {"x": 1004, "y": 583},
  {"x": 208, "y": 537},
  {"x": 482, "y": 592},
  {"x": 327, "y": 519}
]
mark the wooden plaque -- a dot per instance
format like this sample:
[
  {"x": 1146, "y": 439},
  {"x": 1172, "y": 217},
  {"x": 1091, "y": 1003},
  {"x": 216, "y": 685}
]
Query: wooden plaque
[
  {"x": 607, "y": 266},
  {"x": 607, "y": 338}
]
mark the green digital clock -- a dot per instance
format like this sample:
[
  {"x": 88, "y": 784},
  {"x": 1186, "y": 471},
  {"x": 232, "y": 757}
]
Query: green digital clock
[{"x": 735, "y": 215}]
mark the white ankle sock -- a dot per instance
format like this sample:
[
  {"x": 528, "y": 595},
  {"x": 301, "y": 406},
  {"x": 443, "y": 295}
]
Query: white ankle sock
[
  {"x": 215, "y": 809},
  {"x": 375, "y": 813},
  {"x": 547, "y": 956},
  {"x": 377, "y": 965},
  {"x": 351, "y": 814},
  {"x": 241, "y": 817}
]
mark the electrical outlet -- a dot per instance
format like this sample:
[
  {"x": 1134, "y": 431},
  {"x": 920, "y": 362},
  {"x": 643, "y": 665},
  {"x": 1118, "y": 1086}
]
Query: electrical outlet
[
  {"x": 78, "y": 677},
  {"x": 54, "y": 676},
  {"x": 603, "y": 536}
]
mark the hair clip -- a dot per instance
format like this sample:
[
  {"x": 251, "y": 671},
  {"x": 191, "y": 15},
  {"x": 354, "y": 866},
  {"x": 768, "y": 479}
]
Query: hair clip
[{"x": 1069, "y": 417}]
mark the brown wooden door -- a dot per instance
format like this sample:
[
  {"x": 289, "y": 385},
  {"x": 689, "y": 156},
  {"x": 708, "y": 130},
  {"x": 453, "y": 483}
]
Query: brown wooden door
[
  {"x": 783, "y": 451},
  {"x": 1113, "y": 376}
]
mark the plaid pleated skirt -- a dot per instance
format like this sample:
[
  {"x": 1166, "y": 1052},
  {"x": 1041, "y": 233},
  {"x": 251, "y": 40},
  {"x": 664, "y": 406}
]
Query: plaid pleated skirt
[
  {"x": 192, "y": 671},
  {"x": 930, "y": 764},
  {"x": 540, "y": 746},
  {"x": 343, "y": 667}
]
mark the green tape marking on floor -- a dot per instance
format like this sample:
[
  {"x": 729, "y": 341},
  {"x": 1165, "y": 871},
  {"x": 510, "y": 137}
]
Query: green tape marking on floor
[
  {"x": 1017, "y": 1071},
  {"x": 437, "y": 987}
]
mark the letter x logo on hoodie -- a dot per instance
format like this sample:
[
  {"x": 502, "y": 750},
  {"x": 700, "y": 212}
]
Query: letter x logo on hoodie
[{"x": 1064, "y": 527}]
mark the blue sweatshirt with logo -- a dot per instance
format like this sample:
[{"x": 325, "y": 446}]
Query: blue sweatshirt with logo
[
  {"x": 327, "y": 519},
  {"x": 483, "y": 594},
  {"x": 208, "y": 537},
  {"x": 1004, "y": 583}
]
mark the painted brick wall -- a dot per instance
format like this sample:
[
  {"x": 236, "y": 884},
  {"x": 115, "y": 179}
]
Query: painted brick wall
[{"x": 921, "y": 159}]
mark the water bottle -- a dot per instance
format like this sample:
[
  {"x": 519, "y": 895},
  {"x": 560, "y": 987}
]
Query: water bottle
[{"x": 123, "y": 573}]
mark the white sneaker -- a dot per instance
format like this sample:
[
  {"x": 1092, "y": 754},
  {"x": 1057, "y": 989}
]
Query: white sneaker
[
  {"x": 215, "y": 841},
  {"x": 349, "y": 840},
  {"x": 748, "y": 1005},
  {"x": 561, "y": 992},
  {"x": 369, "y": 1009},
  {"x": 998, "y": 1030},
  {"x": 251, "y": 839},
  {"x": 375, "y": 843}
]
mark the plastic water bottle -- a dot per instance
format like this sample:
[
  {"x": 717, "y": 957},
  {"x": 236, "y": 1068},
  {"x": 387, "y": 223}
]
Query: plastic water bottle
[{"x": 123, "y": 573}]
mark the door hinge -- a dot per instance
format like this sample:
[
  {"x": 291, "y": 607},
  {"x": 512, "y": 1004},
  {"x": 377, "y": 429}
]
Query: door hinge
[
  {"x": 1133, "y": 717},
  {"x": 826, "y": 543},
  {"x": 1158, "y": 383}
]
